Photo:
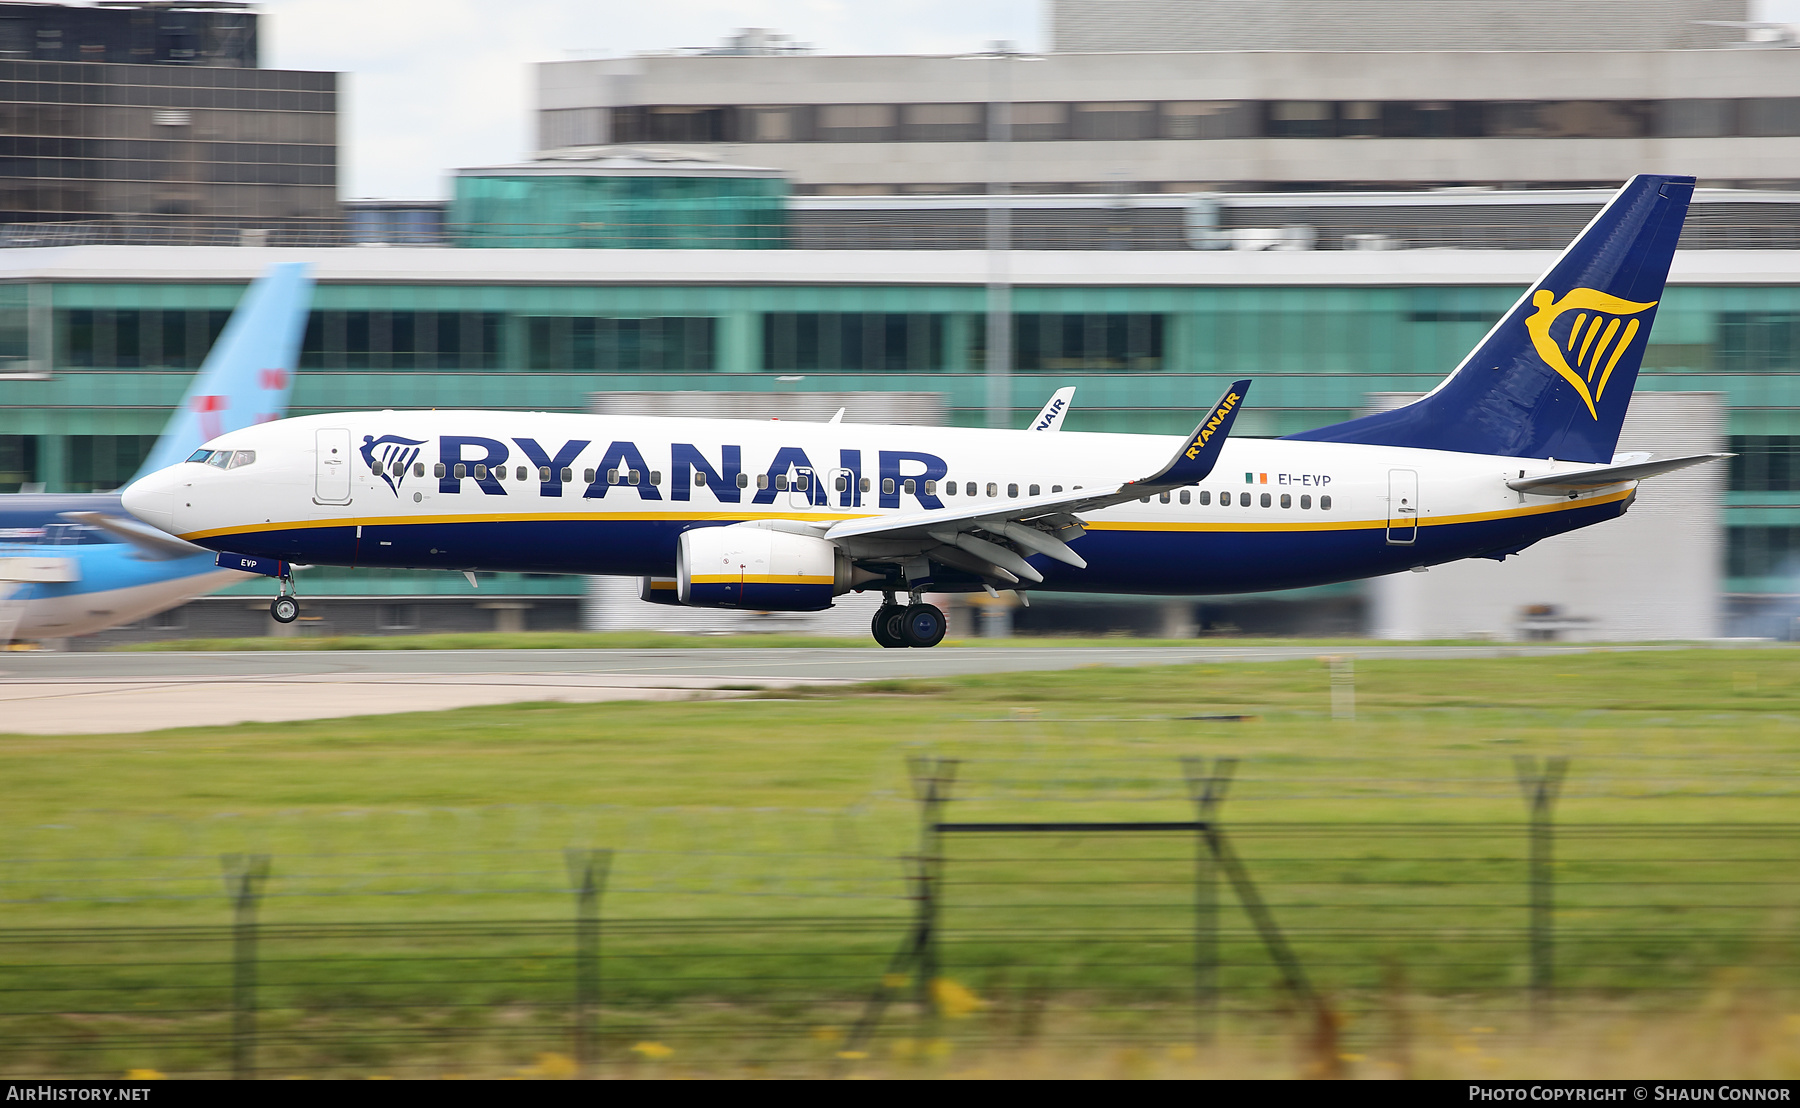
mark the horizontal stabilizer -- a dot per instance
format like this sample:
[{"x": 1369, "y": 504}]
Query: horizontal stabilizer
[
  {"x": 153, "y": 545},
  {"x": 1606, "y": 475},
  {"x": 1197, "y": 456}
]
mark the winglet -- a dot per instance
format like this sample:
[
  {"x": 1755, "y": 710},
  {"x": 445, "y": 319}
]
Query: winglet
[
  {"x": 1197, "y": 456},
  {"x": 1051, "y": 417}
]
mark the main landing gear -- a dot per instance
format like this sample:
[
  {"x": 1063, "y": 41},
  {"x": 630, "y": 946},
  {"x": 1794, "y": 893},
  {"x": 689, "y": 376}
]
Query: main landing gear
[
  {"x": 915, "y": 625},
  {"x": 286, "y": 607}
]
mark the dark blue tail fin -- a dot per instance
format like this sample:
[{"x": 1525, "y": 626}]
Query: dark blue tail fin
[{"x": 1554, "y": 376}]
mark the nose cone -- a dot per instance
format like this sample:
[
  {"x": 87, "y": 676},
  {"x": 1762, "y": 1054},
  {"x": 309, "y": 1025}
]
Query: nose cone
[{"x": 151, "y": 498}]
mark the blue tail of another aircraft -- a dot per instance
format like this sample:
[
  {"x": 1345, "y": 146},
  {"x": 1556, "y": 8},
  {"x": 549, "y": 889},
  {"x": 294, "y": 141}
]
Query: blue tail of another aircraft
[
  {"x": 1553, "y": 378},
  {"x": 248, "y": 373}
]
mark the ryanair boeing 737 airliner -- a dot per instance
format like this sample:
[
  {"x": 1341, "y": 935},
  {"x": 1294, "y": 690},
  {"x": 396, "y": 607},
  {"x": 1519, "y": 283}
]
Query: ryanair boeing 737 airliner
[{"x": 1517, "y": 444}]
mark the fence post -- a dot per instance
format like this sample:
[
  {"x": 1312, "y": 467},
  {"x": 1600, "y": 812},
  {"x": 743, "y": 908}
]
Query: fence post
[
  {"x": 244, "y": 878},
  {"x": 1343, "y": 687},
  {"x": 931, "y": 780},
  {"x": 1206, "y": 788},
  {"x": 1541, "y": 786},
  {"x": 588, "y": 870}
]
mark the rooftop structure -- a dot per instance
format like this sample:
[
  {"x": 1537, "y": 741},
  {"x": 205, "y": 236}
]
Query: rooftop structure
[
  {"x": 209, "y": 33},
  {"x": 1232, "y": 121},
  {"x": 1094, "y": 26}
]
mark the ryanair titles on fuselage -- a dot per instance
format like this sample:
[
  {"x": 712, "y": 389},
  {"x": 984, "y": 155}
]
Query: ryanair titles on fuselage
[{"x": 621, "y": 467}]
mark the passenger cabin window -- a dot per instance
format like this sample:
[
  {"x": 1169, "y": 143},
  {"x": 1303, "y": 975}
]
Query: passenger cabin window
[
  {"x": 1305, "y": 501},
  {"x": 1012, "y": 490},
  {"x": 544, "y": 473},
  {"x": 568, "y": 474},
  {"x": 636, "y": 476},
  {"x": 1034, "y": 490},
  {"x": 969, "y": 488},
  {"x": 1055, "y": 488},
  {"x": 699, "y": 478},
  {"x": 781, "y": 482},
  {"x": 1265, "y": 500},
  {"x": 949, "y": 487},
  {"x": 587, "y": 476},
  {"x": 842, "y": 484},
  {"x": 865, "y": 484},
  {"x": 419, "y": 469},
  {"x": 461, "y": 471},
  {"x": 743, "y": 480},
  {"x": 1324, "y": 503},
  {"x": 993, "y": 489},
  {"x": 612, "y": 476},
  {"x": 1164, "y": 498},
  {"x": 762, "y": 480},
  {"x": 1287, "y": 501},
  {"x": 907, "y": 486},
  {"x": 1205, "y": 497},
  {"x": 438, "y": 471},
  {"x": 480, "y": 471},
  {"x": 1243, "y": 499},
  {"x": 931, "y": 488},
  {"x": 1187, "y": 497},
  {"x": 887, "y": 486}
]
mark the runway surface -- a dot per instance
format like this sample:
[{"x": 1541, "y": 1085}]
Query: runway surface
[{"x": 53, "y": 693}]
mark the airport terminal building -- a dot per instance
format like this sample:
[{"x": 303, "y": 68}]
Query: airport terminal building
[{"x": 102, "y": 340}]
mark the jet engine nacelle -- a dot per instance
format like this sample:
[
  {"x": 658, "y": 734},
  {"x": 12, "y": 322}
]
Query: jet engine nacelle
[
  {"x": 754, "y": 567},
  {"x": 658, "y": 590}
]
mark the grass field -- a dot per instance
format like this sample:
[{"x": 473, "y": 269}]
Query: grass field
[{"x": 1391, "y": 849}]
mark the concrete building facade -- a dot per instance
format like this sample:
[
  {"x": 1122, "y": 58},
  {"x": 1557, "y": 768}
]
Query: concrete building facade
[{"x": 1185, "y": 122}]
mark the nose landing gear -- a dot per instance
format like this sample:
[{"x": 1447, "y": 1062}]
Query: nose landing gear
[{"x": 286, "y": 607}]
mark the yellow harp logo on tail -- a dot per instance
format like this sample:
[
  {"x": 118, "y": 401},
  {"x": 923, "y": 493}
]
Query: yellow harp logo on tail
[{"x": 1596, "y": 340}]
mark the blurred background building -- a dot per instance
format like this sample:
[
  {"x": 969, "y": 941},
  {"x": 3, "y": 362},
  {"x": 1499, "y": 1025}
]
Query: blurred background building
[
  {"x": 156, "y": 115},
  {"x": 754, "y": 220}
]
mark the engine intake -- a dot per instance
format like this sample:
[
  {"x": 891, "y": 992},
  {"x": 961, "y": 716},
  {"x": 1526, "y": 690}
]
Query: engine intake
[{"x": 754, "y": 567}]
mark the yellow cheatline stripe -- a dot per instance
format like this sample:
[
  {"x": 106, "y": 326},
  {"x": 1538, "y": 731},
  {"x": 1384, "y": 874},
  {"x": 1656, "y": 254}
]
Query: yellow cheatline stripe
[
  {"x": 759, "y": 579},
  {"x": 1154, "y": 525},
  {"x": 1363, "y": 524},
  {"x": 522, "y": 517},
  {"x": 662, "y": 585}
]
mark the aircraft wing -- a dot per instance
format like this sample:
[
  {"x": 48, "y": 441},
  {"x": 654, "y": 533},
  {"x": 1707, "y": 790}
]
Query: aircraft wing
[
  {"x": 1051, "y": 417},
  {"x": 1038, "y": 524},
  {"x": 1596, "y": 476},
  {"x": 153, "y": 546}
]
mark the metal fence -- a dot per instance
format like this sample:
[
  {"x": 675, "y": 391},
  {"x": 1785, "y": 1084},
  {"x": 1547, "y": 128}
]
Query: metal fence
[{"x": 1066, "y": 929}]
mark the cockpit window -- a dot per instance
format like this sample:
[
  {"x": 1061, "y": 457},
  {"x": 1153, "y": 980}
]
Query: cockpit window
[
  {"x": 220, "y": 459},
  {"x": 200, "y": 455},
  {"x": 242, "y": 458}
]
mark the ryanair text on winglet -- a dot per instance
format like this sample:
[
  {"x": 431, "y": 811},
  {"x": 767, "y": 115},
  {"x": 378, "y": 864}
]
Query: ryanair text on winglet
[{"x": 1206, "y": 432}]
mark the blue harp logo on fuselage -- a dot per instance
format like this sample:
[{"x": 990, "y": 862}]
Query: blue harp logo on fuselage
[
  {"x": 389, "y": 456},
  {"x": 1601, "y": 331}
]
